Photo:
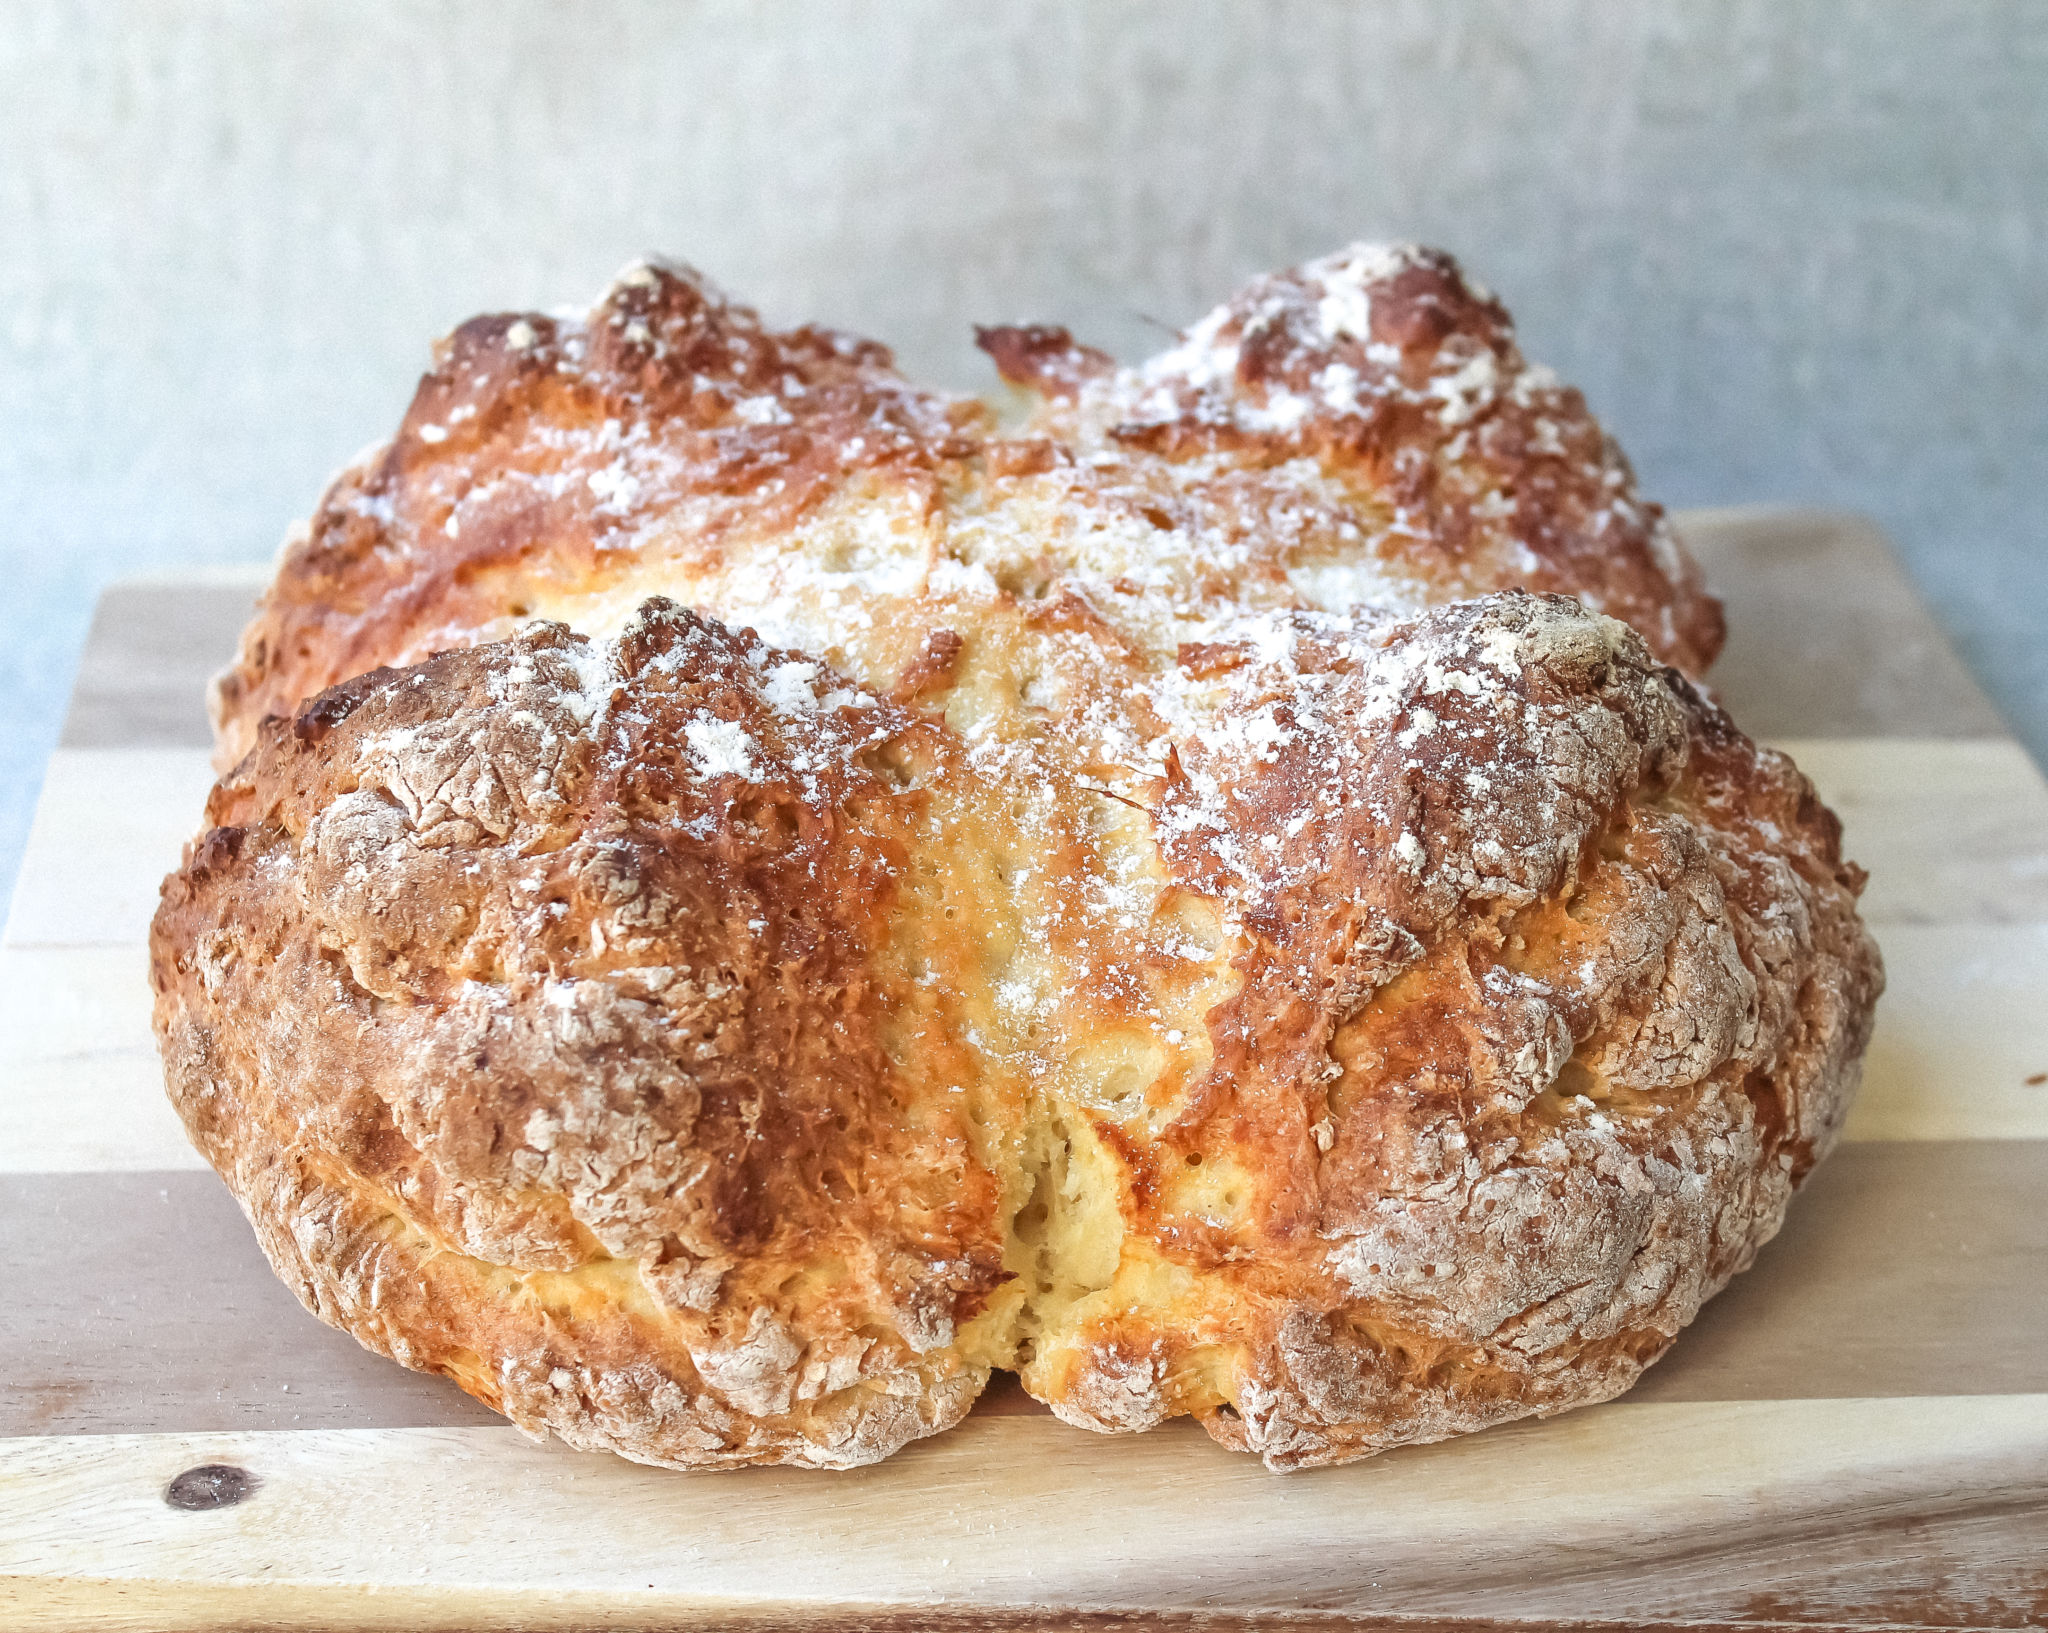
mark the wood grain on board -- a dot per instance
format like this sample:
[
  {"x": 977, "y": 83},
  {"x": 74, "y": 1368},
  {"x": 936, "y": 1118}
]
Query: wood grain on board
[
  {"x": 1854, "y": 1434},
  {"x": 1754, "y": 1506},
  {"x": 153, "y": 646},
  {"x": 1826, "y": 635},
  {"x": 109, "y": 825}
]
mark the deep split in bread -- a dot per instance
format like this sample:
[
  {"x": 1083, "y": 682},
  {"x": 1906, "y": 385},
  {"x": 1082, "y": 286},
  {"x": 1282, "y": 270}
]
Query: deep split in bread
[{"x": 1185, "y": 893}]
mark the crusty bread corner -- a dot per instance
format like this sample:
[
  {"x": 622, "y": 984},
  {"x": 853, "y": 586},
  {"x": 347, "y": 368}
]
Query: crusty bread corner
[{"x": 1181, "y": 893}]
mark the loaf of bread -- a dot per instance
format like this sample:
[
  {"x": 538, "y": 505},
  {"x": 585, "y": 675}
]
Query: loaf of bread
[{"x": 746, "y": 895}]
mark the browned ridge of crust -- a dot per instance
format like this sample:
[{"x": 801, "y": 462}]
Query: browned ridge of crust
[
  {"x": 1362, "y": 430},
  {"x": 1140, "y": 893},
  {"x": 694, "y": 1053}
]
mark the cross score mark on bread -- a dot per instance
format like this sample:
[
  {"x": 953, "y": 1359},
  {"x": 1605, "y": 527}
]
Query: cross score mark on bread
[{"x": 1142, "y": 896}]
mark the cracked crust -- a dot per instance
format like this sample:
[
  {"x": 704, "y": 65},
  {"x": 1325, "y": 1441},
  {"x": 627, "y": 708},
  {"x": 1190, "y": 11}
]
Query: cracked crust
[
  {"x": 1049, "y": 938},
  {"x": 691, "y": 1053},
  {"x": 1360, "y": 431},
  {"x": 530, "y": 1002}
]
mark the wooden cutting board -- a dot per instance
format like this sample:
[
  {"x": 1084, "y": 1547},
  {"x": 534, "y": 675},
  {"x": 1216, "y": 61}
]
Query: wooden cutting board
[{"x": 1855, "y": 1434}]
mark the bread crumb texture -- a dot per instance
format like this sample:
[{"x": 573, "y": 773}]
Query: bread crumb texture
[{"x": 750, "y": 895}]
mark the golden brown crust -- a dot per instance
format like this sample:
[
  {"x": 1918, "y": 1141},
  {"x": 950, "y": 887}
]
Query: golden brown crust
[
  {"x": 1109, "y": 924},
  {"x": 1401, "y": 382},
  {"x": 672, "y": 1043},
  {"x": 529, "y": 1000},
  {"x": 1362, "y": 430}
]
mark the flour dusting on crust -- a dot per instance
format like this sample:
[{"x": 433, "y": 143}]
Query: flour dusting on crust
[{"x": 1146, "y": 897}]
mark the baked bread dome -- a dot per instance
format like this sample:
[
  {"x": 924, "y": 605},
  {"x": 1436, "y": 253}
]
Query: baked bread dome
[
  {"x": 1148, "y": 898},
  {"x": 1360, "y": 432}
]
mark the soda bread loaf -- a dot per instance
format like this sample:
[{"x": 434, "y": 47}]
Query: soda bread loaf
[{"x": 1184, "y": 892}]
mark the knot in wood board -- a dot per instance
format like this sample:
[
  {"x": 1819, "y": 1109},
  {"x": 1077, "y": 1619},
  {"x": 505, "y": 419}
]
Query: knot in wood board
[{"x": 210, "y": 1485}]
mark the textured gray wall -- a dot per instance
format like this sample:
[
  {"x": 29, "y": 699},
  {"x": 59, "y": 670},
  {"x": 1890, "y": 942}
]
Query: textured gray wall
[{"x": 1792, "y": 251}]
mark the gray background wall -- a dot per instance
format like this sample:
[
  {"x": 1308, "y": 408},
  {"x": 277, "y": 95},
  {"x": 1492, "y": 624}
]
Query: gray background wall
[{"x": 1792, "y": 251}]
